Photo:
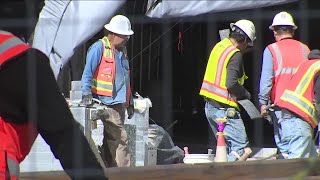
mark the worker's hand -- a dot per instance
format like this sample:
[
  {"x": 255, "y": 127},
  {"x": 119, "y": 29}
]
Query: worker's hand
[
  {"x": 264, "y": 111},
  {"x": 130, "y": 110},
  {"x": 86, "y": 99}
]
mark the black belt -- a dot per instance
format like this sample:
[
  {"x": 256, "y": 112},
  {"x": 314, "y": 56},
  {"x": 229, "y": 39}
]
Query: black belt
[{"x": 218, "y": 106}]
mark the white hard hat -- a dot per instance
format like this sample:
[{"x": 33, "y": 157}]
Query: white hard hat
[
  {"x": 282, "y": 19},
  {"x": 247, "y": 27},
  {"x": 119, "y": 24}
]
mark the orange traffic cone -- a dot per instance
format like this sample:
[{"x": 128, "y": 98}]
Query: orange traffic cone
[{"x": 221, "y": 150}]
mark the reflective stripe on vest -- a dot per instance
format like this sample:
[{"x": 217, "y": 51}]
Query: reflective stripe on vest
[
  {"x": 287, "y": 55},
  {"x": 10, "y": 46},
  {"x": 214, "y": 83},
  {"x": 9, "y": 168},
  {"x": 220, "y": 92},
  {"x": 103, "y": 80},
  {"x": 280, "y": 69},
  {"x": 296, "y": 96},
  {"x": 13, "y": 168}
]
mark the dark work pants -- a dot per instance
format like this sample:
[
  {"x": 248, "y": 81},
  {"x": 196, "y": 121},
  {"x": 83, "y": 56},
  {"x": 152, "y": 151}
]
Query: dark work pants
[{"x": 29, "y": 93}]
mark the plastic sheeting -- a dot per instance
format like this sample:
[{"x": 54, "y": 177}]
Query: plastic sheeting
[
  {"x": 178, "y": 8},
  {"x": 65, "y": 25}
]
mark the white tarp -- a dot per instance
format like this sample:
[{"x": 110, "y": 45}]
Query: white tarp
[
  {"x": 65, "y": 25},
  {"x": 178, "y": 8}
]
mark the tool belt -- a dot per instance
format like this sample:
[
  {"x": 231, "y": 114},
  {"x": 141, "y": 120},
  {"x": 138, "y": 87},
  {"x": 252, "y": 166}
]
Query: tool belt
[{"x": 230, "y": 111}]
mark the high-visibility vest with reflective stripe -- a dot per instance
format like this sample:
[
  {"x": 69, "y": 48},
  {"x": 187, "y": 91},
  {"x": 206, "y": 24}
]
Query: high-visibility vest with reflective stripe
[
  {"x": 16, "y": 142},
  {"x": 104, "y": 77},
  {"x": 299, "y": 94},
  {"x": 10, "y": 46},
  {"x": 16, "y": 139},
  {"x": 287, "y": 54},
  {"x": 214, "y": 82}
]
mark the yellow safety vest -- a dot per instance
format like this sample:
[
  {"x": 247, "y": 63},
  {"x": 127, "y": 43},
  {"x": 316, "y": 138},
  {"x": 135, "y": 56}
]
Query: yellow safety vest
[{"x": 214, "y": 82}]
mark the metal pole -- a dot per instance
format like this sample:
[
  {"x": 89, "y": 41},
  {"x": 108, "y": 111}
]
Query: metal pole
[
  {"x": 303, "y": 21},
  {"x": 166, "y": 76},
  {"x": 211, "y": 37},
  {"x": 257, "y": 51}
]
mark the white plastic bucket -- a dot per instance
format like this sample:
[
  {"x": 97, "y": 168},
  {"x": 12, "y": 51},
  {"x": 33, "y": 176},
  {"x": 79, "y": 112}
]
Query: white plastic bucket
[{"x": 198, "y": 158}]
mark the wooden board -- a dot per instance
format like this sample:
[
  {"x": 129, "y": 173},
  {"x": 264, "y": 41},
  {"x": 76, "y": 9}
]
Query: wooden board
[{"x": 287, "y": 169}]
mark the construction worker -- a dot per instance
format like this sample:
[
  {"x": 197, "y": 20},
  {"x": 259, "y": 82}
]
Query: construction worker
[
  {"x": 106, "y": 77},
  {"x": 223, "y": 86},
  {"x": 31, "y": 103},
  {"x": 280, "y": 60},
  {"x": 300, "y": 109}
]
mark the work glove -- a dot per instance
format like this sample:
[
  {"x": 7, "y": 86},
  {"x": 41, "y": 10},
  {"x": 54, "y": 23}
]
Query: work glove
[
  {"x": 130, "y": 111},
  {"x": 86, "y": 99}
]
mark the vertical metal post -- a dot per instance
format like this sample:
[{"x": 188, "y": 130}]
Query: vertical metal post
[
  {"x": 149, "y": 53},
  {"x": 258, "y": 125},
  {"x": 211, "y": 37},
  {"x": 166, "y": 76},
  {"x": 141, "y": 57},
  {"x": 303, "y": 21},
  {"x": 32, "y": 71}
]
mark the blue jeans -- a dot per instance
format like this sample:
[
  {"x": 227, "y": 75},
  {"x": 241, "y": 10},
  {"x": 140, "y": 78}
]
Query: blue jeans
[
  {"x": 235, "y": 132},
  {"x": 293, "y": 136}
]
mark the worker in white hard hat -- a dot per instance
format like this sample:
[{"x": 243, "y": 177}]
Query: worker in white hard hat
[
  {"x": 106, "y": 77},
  {"x": 223, "y": 86},
  {"x": 280, "y": 60}
]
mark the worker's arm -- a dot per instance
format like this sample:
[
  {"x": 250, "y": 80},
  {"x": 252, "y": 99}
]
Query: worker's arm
[
  {"x": 35, "y": 97},
  {"x": 92, "y": 62},
  {"x": 266, "y": 78},
  {"x": 235, "y": 71}
]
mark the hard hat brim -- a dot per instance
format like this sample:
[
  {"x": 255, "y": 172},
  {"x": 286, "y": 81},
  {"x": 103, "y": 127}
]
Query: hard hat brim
[
  {"x": 111, "y": 29},
  {"x": 272, "y": 27}
]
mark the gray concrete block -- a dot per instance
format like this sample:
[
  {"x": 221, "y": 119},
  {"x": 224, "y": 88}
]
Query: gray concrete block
[{"x": 131, "y": 132}]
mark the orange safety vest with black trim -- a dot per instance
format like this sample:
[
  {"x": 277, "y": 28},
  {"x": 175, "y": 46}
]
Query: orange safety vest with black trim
[
  {"x": 214, "y": 82},
  {"x": 16, "y": 140},
  {"x": 104, "y": 77},
  {"x": 299, "y": 95},
  {"x": 287, "y": 54}
]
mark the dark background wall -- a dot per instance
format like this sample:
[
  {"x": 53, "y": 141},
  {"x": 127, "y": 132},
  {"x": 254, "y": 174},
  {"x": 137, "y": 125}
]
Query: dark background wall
[{"x": 168, "y": 58}]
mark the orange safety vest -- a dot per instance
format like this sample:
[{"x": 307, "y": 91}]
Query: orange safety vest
[
  {"x": 287, "y": 54},
  {"x": 299, "y": 94},
  {"x": 16, "y": 140},
  {"x": 214, "y": 82},
  {"x": 104, "y": 77}
]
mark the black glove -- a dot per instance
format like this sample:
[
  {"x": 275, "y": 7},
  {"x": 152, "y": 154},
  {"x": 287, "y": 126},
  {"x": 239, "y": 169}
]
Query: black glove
[
  {"x": 130, "y": 110},
  {"x": 86, "y": 99}
]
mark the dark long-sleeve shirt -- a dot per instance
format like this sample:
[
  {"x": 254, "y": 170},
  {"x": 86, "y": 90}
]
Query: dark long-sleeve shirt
[
  {"x": 234, "y": 72},
  {"x": 32, "y": 95}
]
